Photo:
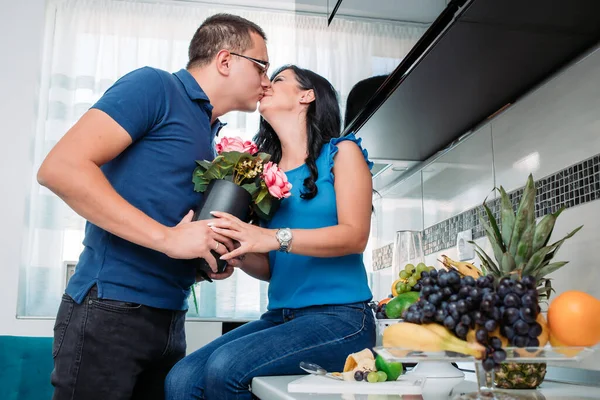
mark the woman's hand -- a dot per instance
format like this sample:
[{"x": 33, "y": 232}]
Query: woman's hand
[{"x": 252, "y": 238}]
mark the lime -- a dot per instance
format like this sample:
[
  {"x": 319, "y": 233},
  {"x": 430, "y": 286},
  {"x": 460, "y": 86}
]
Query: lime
[
  {"x": 373, "y": 377},
  {"x": 392, "y": 369}
]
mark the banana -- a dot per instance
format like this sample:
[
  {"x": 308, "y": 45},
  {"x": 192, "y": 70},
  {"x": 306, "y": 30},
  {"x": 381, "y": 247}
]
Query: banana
[
  {"x": 496, "y": 333},
  {"x": 463, "y": 268},
  {"x": 354, "y": 360},
  {"x": 348, "y": 376},
  {"x": 430, "y": 337}
]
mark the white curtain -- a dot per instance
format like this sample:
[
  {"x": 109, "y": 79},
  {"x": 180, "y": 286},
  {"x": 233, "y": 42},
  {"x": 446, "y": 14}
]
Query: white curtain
[{"x": 89, "y": 44}]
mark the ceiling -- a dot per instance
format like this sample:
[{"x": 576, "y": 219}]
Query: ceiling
[{"x": 418, "y": 11}]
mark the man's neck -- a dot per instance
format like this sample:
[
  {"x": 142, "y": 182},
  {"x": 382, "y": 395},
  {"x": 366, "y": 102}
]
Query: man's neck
[{"x": 209, "y": 85}]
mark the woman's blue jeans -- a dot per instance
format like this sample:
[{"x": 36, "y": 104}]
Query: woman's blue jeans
[{"x": 273, "y": 345}]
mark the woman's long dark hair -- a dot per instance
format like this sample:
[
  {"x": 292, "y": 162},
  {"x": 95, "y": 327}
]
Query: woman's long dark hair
[{"x": 323, "y": 122}]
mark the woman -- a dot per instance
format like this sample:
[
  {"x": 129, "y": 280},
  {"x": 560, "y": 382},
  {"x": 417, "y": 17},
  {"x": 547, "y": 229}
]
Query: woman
[{"x": 318, "y": 290}]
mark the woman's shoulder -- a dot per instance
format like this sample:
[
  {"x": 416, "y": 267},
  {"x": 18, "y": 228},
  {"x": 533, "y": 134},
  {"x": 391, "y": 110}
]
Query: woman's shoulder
[{"x": 346, "y": 144}]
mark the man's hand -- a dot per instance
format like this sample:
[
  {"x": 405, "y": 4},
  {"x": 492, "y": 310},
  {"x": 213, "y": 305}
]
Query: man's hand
[
  {"x": 194, "y": 239},
  {"x": 224, "y": 275}
]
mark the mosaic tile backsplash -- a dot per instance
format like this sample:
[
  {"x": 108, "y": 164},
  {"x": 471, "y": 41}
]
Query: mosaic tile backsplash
[
  {"x": 382, "y": 257},
  {"x": 574, "y": 185}
]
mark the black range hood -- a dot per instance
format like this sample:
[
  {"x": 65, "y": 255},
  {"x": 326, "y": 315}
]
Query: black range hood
[{"x": 475, "y": 59}]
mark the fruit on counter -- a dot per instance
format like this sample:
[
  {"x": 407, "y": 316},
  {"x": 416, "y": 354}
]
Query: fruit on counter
[
  {"x": 520, "y": 247},
  {"x": 462, "y": 267},
  {"x": 392, "y": 369},
  {"x": 384, "y": 301},
  {"x": 562, "y": 348},
  {"x": 379, "y": 308},
  {"x": 408, "y": 278},
  {"x": 543, "y": 338},
  {"x": 418, "y": 337},
  {"x": 372, "y": 377},
  {"x": 362, "y": 366},
  {"x": 398, "y": 287},
  {"x": 479, "y": 311},
  {"x": 357, "y": 364},
  {"x": 358, "y": 359},
  {"x": 574, "y": 319},
  {"x": 381, "y": 376},
  {"x": 521, "y": 259},
  {"x": 395, "y": 307}
]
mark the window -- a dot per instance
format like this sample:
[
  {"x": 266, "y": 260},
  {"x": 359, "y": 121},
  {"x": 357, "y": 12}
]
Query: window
[{"x": 90, "y": 44}]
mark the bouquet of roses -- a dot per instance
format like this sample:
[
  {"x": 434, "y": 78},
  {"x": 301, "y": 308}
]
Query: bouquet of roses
[
  {"x": 240, "y": 181},
  {"x": 240, "y": 162}
]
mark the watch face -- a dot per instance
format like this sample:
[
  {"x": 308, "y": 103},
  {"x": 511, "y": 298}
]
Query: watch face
[{"x": 284, "y": 235}]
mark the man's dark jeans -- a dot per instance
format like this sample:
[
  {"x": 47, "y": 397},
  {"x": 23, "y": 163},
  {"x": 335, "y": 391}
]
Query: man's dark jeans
[{"x": 112, "y": 350}]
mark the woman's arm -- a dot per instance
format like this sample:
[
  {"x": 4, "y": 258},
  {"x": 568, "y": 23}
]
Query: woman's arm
[
  {"x": 254, "y": 264},
  {"x": 353, "y": 189}
]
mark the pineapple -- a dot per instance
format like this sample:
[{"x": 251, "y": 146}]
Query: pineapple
[{"x": 520, "y": 248}]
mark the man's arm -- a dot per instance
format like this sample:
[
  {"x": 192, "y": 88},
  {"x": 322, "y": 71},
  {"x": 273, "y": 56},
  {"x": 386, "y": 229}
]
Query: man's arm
[{"x": 72, "y": 171}]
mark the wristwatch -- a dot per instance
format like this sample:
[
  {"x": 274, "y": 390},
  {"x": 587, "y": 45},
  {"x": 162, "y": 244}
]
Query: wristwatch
[{"x": 284, "y": 237}]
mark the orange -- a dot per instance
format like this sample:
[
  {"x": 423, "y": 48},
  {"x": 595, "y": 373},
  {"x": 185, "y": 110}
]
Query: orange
[
  {"x": 573, "y": 319},
  {"x": 562, "y": 348}
]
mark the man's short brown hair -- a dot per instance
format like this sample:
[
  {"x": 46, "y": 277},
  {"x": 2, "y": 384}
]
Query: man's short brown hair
[{"x": 221, "y": 31}]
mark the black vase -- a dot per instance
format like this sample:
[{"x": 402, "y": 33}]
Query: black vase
[{"x": 224, "y": 196}]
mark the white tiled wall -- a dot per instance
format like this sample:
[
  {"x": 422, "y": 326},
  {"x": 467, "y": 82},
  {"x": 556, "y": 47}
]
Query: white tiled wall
[
  {"x": 551, "y": 128},
  {"x": 400, "y": 208},
  {"x": 460, "y": 179},
  {"x": 554, "y": 127}
]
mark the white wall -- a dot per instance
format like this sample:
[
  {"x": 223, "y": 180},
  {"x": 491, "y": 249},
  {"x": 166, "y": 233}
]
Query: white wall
[
  {"x": 21, "y": 39},
  {"x": 21, "y": 46}
]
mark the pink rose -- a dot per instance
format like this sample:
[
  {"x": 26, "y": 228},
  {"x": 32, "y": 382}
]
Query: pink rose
[
  {"x": 250, "y": 147},
  {"x": 236, "y": 144},
  {"x": 276, "y": 181}
]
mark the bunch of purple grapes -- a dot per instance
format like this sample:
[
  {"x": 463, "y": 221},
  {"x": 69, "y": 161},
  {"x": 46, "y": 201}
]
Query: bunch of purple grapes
[
  {"x": 520, "y": 310},
  {"x": 464, "y": 304}
]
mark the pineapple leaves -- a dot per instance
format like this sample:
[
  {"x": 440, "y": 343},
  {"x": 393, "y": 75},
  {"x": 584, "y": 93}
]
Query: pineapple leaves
[
  {"x": 548, "y": 269},
  {"x": 545, "y": 291},
  {"x": 525, "y": 215},
  {"x": 544, "y": 230},
  {"x": 540, "y": 260},
  {"x": 536, "y": 262},
  {"x": 508, "y": 263},
  {"x": 493, "y": 233},
  {"x": 525, "y": 247},
  {"x": 486, "y": 260},
  {"x": 508, "y": 216}
]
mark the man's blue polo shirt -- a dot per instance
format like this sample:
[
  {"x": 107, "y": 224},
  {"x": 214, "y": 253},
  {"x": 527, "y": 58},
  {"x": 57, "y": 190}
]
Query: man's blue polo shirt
[{"x": 168, "y": 117}]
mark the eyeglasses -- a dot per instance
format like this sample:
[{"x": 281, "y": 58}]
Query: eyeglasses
[{"x": 263, "y": 65}]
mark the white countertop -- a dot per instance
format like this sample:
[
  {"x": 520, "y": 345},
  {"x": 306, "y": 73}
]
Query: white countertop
[{"x": 275, "y": 388}]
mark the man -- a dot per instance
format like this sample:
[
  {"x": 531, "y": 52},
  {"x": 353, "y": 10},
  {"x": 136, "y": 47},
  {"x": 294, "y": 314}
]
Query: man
[{"x": 126, "y": 166}]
